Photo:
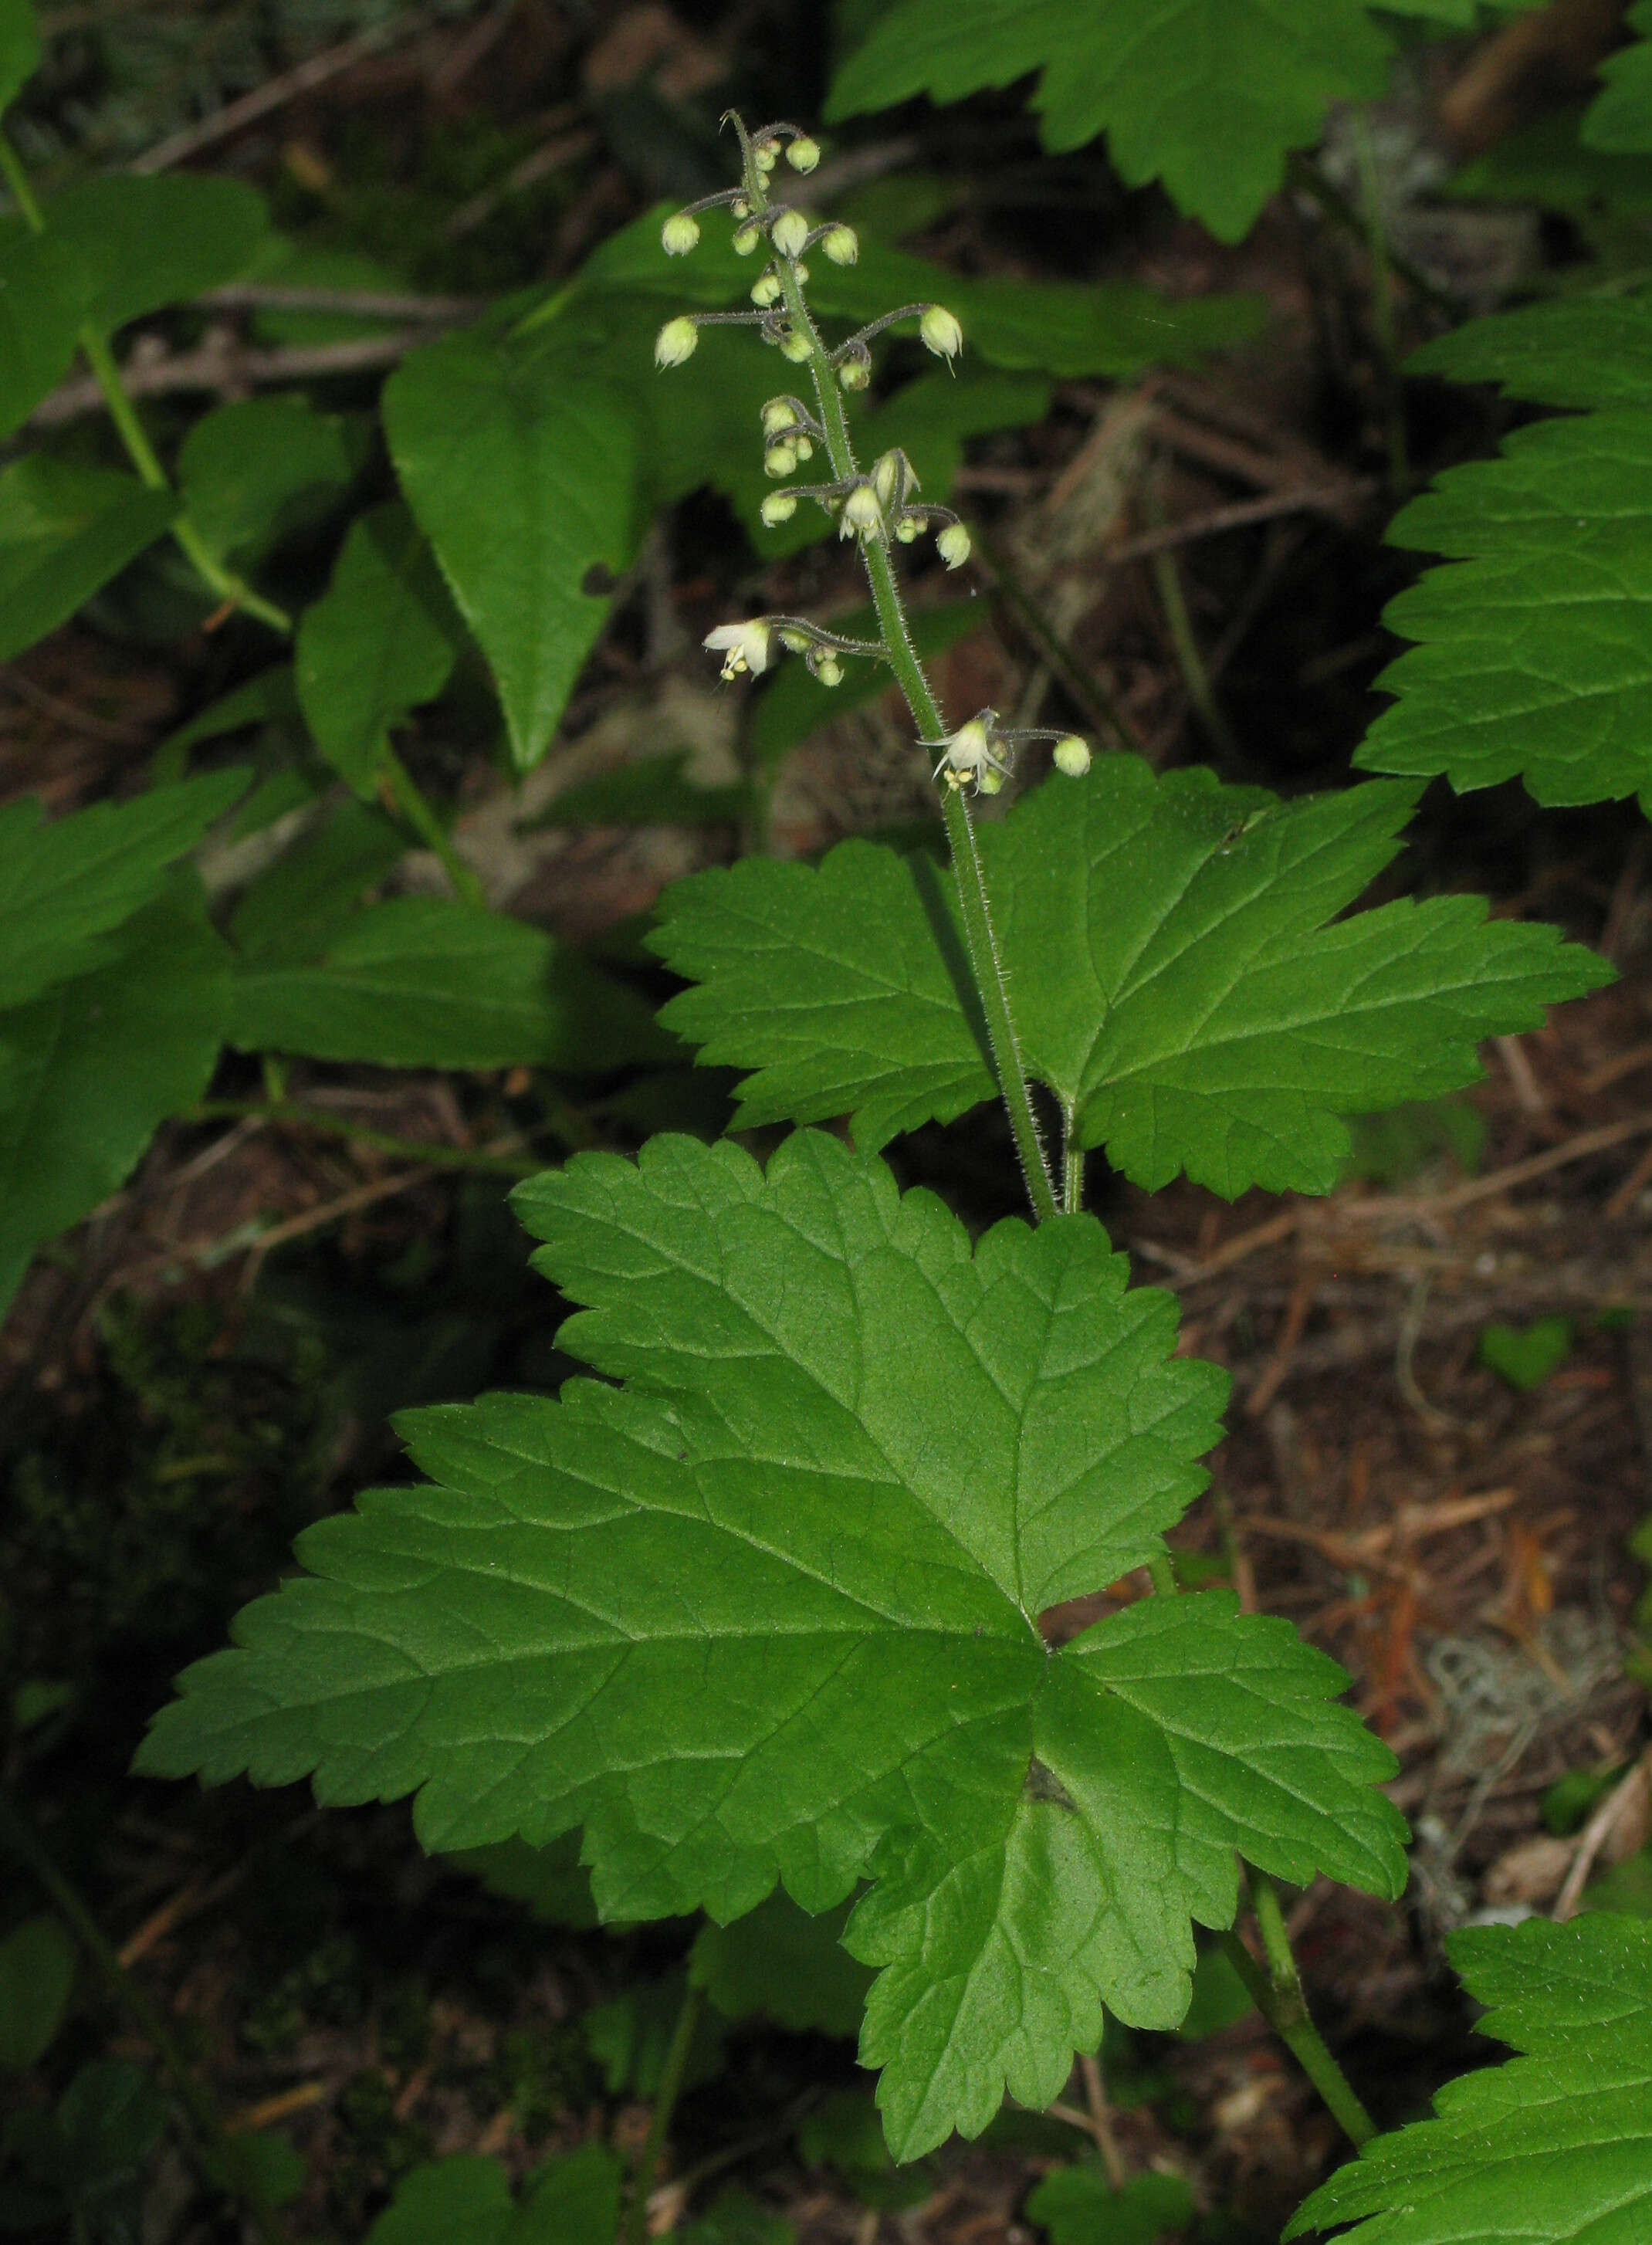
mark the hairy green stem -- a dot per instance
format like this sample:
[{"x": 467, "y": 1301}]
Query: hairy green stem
[
  {"x": 216, "y": 2149},
  {"x": 980, "y": 937},
  {"x": 1276, "y": 1992},
  {"x": 1072, "y": 1161},
  {"x": 634, "y": 2227}
]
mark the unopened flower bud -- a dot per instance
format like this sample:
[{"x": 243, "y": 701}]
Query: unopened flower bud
[
  {"x": 804, "y": 447},
  {"x": 779, "y": 413},
  {"x": 778, "y": 507},
  {"x": 1072, "y": 755},
  {"x": 855, "y": 373},
  {"x": 798, "y": 643},
  {"x": 794, "y": 346},
  {"x": 953, "y": 545},
  {"x": 861, "y": 514},
  {"x": 840, "y": 244},
  {"x": 989, "y": 781},
  {"x": 828, "y": 668},
  {"x": 779, "y": 460},
  {"x": 740, "y": 207},
  {"x": 886, "y": 481},
  {"x": 766, "y": 289},
  {"x": 676, "y": 341},
  {"x": 800, "y": 272},
  {"x": 941, "y": 332},
  {"x": 910, "y": 526},
  {"x": 789, "y": 233},
  {"x": 802, "y": 155},
  {"x": 747, "y": 238},
  {"x": 766, "y": 155},
  {"x": 678, "y": 234}
]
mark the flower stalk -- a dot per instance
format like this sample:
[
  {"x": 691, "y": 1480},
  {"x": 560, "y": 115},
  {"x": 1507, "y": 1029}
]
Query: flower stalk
[{"x": 874, "y": 509}]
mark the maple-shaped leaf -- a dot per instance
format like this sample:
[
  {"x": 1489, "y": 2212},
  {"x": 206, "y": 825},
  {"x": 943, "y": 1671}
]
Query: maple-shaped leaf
[
  {"x": 1536, "y": 654},
  {"x": 1206, "y": 95},
  {"x": 1553, "y": 2148},
  {"x": 1179, "y": 976},
  {"x": 768, "y": 1607}
]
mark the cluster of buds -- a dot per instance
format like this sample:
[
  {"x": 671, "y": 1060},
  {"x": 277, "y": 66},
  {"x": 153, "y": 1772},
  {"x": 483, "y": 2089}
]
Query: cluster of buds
[{"x": 981, "y": 754}]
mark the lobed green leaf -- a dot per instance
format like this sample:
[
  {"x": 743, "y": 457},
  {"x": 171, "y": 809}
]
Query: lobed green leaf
[
  {"x": 767, "y": 1608},
  {"x": 1620, "y": 119},
  {"x": 1180, "y": 979},
  {"x": 1555, "y": 2147}
]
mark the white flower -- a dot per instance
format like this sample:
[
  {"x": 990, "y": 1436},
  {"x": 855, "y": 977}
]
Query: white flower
[
  {"x": 840, "y": 244},
  {"x": 778, "y": 507},
  {"x": 973, "y": 751},
  {"x": 802, "y": 155},
  {"x": 953, "y": 545},
  {"x": 742, "y": 647},
  {"x": 1072, "y": 755},
  {"x": 676, "y": 341},
  {"x": 861, "y": 514},
  {"x": 678, "y": 234},
  {"x": 765, "y": 289},
  {"x": 941, "y": 332},
  {"x": 789, "y": 233}
]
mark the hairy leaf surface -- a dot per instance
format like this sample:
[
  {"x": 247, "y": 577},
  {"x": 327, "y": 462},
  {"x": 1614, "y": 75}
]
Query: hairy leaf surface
[
  {"x": 1553, "y": 2148},
  {"x": 767, "y": 1608},
  {"x": 1206, "y": 95},
  {"x": 1536, "y": 654},
  {"x": 1178, "y": 974},
  {"x": 65, "y": 884}
]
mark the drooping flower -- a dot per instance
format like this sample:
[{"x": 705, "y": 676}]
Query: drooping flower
[
  {"x": 778, "y": 507},
  {"x": 742, "y": 647},
  {"x": 789, "y": 233},
  {"x": 953, "y": 545},
  {"x": 974, "y": 751},
  {"x": 1072, "y": 755},
  {"x": 680, "y": 233},
  {"x": 862, "y": 514},
  {"x": 802, "y": 153},
  {"x": 841, "y": 244}
]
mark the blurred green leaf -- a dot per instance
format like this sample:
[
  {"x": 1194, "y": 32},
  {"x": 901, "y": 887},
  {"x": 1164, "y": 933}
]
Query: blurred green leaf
[
  {"x": 780, "y": 1962},
  {"x": 1078, "y": 2206},
  {"x": 629, "y": 2037},
  {"x": 1620, "y": 119},
  {"x": 37, "y": 1978},
  {"x": 656, "y": 791},
  {"x": 102, "y": 1061},
  {"x": 253, "y": 472},
  {"x": 19, "y": 46},
  {"x": 291, "y": 910},
  {"x": 64, "y": 532},
  {"x": 737, "y": 2219},
  {"x": 551, "y": 1880},
  {"x": 149, "y": 242},
  {"x": 523, "y": 482},
  {"x": 67, "y": 885},
  {"x": 1219, "y": 1995},
  {"x": 381, "y": 641},
  {"x": 1525, "y": 1356},
  {"x": 44, "y": 289},
  {"x": 425, "y": 982}
]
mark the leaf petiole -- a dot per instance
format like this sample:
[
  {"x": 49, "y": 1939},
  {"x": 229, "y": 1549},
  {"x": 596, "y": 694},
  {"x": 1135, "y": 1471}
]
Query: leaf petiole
[{"x": 1277, "y": 1991}]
